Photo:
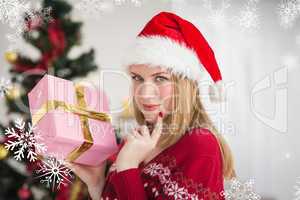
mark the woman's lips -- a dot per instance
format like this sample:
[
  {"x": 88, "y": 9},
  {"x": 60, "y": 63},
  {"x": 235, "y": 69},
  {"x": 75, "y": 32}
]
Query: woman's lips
[{"x": 150, "y": 107}]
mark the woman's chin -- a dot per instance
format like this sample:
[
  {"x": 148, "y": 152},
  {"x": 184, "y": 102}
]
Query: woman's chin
[{"x": 150, "y": 117}]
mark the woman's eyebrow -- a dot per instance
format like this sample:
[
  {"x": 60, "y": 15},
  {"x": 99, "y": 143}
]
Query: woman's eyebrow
[
  {"x": 159, "y": 73},
  {"x": 152, "y": 74},
  {"x": 135, "y": 74}
]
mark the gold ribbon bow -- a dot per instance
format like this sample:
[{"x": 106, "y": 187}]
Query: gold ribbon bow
[{"x": 79, "y": 109}]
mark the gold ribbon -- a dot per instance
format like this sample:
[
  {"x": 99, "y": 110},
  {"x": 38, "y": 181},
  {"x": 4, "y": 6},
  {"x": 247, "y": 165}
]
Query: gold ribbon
[{"x": 79, "y": 109}]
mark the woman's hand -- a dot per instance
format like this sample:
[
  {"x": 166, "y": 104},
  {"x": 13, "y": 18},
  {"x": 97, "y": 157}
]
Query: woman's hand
[
  {"x": 93, "y": 177},
  {"x": 138, "y": 146},
  {"x": 90, "y": 175}
]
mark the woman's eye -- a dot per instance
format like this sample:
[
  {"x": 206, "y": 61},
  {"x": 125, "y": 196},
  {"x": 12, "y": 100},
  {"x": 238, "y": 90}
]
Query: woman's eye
[
  {"x": 161, "y": 78},
  {"x": 136, "y": 78}
]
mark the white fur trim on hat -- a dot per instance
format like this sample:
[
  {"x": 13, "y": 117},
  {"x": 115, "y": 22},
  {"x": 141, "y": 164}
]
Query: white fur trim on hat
[
  {"x": 162, "y": 51},
  {"x": 217, "y": 92}
]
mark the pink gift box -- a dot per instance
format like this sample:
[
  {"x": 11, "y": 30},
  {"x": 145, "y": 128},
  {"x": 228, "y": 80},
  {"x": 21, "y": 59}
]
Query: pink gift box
[{"x": 62, "y": 130}]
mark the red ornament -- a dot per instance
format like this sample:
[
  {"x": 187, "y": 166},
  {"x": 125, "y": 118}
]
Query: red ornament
[
  {"x": 57, "y": 38},
  {"x": 34, "y": 22},
  {"x": 24, "y": 192},
  {"x": 58, "y": 43}
]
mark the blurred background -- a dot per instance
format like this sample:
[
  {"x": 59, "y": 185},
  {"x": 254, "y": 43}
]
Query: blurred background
[{"x": 257, "y": 46}]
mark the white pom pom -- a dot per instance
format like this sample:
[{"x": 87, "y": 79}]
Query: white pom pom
[{"x": 217, "y": 92}]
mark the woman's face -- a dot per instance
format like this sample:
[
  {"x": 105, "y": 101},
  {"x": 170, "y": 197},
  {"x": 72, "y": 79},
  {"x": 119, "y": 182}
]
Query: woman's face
[{"x": 152, "y": 90}]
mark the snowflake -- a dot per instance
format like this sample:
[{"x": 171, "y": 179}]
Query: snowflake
[
  {"x": 153, "y": 169},
  {"x": 239, "y": 191},
  {"x": 170, "y": 187},
  {"x": 137, "y": 3},
  {"x": 297, "y": 188},
  {"x": 178, "y": 192},
  {"x": 53, "y": 172},
  {"x": 24, "y": 140},
  {"x": 288, "y": 11},
  {"x": 94, "y": 8},
  {"x": 45, "y": 14},
  {"x": 6, "y": 9},
  {"x": 13, "y": 12},
  {"x": 39, "y": 17},
  {"x": 217, "y": 16},
  {"x": 5, "y": 86},
  {"x": 248, "y": 17}
]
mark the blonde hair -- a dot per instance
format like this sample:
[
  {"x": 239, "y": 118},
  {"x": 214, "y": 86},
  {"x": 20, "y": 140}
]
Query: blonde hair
[{"x": 189, "y": 114}]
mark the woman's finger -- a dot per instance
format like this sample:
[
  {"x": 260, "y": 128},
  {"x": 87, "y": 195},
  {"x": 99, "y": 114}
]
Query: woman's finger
[
  {"x": 145, "y": 131},
  {"x": 69, "y": 165},
  {"x": 129, "y": 136},
  {"x": 136, "y": 133},
  {"x": 73, "y": 167},
  {"x": 158, "y": 128},
  {"x": 138, "y": 129}
]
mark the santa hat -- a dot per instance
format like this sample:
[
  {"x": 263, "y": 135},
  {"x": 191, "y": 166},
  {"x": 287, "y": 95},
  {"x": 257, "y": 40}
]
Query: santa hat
[{"x": 170, "y": 41}]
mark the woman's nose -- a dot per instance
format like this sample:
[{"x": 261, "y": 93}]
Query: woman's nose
[{"x": 149, "y": 90}]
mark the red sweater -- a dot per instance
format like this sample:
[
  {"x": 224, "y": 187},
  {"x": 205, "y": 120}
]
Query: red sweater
[{"x": 189, "y": 169}]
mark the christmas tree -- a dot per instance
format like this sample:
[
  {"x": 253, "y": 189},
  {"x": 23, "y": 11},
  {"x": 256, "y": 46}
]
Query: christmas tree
[{"x": 54, "y": 38}]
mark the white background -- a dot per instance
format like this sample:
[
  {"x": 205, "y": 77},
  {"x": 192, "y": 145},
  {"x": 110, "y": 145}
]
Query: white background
[{"x": 263, "y": 134}]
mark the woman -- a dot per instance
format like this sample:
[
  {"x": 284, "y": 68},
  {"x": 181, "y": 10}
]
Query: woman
[{"x": 175, "y": 152}]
